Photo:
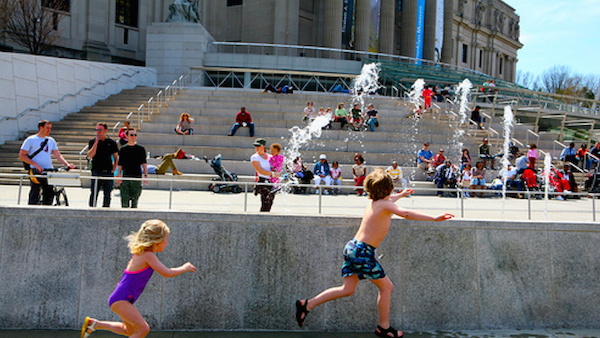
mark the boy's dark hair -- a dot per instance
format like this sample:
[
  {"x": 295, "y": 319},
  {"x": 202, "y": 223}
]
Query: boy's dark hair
[
  {"x": 103, "y": 124},
  {"x": 379, "y": 184}
]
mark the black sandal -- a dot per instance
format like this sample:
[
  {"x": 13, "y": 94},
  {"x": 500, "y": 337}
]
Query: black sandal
[
  {"x": 300, "y": 310},
  {"x": 384, "y": 332}
]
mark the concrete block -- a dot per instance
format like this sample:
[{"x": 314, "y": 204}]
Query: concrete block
[
  {"x": 46, "y": 68},
  {"x": 270, "y": 289},
  {"x": 513, "y": 275},
  {"x": 26, "y": 102},
  {"x": 6, "y": 69},
  {"x": 47, "y": 88},
  {"x": 24, "y": 68},
  {"x": 9, "y": 107},
  {"x": 189, "y": 304},
  {"x": 575, "y": 278},
  {"x": 66, "y": 86},
  {"x": 438, "y": 277},
  {"x": 49, "y": 286},
  {"x": 65, "y": 70}
]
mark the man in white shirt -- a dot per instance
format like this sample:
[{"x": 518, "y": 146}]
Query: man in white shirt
[
  {"x": 36, "y": 151},
  {"x": 510, "y": 174}
]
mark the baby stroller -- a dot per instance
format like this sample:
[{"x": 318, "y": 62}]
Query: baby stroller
[{"x": 224, "y": 175}]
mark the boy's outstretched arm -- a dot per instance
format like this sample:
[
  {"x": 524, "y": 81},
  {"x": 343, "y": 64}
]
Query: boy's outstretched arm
[
  {"x": 403, "y": 193},
  {"x": 418, "y": 216}
]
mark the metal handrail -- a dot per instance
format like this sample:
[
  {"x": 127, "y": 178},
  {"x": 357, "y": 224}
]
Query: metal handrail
[
  {"x": 488, "y": 117},
  {"x": 80, "y": 156},
  {"x": 529, "y": 131},
  {"x": 494, "y": 132},
  {"x": 115, "y": 127},
  {"x": 517, "y": 142},
  {"x": 554, "y": 143}
]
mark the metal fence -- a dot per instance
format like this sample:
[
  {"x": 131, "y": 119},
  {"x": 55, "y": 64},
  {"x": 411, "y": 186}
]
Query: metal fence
[{"x": 531, "y": 202}]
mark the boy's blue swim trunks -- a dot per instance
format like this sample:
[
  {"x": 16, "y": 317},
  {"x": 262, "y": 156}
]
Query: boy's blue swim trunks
[{"x": 359, "y": 259}]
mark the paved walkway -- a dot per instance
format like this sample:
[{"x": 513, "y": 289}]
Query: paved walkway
[
  {"x": 470, "y": 208},
  {"x": 307, "y": 334}
]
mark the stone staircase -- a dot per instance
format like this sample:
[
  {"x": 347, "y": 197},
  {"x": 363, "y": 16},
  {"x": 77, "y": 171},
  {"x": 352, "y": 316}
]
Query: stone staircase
[{"x": 398, "y": 138}]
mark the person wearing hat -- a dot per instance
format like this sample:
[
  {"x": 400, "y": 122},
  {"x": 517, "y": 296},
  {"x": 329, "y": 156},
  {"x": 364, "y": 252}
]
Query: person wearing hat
[
  {"x": 242, "y": 119},
  {"x": 322, "y": 173},
  {"x": 260, "y": 162}
]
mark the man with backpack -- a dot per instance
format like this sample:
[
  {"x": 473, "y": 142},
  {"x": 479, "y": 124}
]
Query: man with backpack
[{"x": 35, "y": 154}]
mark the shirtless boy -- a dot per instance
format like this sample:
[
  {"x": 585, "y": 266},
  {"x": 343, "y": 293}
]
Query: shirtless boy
[{"x": 359, "y": 254}]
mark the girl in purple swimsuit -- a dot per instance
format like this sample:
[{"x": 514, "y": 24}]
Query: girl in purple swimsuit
[{"x": 152, "y": 237}]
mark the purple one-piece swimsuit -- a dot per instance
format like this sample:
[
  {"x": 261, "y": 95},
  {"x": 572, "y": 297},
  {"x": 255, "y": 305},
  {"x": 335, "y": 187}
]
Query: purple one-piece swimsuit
[{"x": 131, "y": 286}]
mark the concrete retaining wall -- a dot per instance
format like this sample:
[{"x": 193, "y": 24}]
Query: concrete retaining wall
[
  {"x": 59, "y": 265},
  {"x": 29, "y": 81}
]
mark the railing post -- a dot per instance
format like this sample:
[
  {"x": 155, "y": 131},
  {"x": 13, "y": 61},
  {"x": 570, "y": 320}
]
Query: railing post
[
  {"x": 462, "y": 203},
  {"x": 594, "y": 208},
  {"x": 20, "y": 188},
  {"x": 96, "y": 192},
  {"x": 529, "y": 205},
  {"x": 170, "y": 194},
  {"x": 320, "y": 202},
  {"x": 245, "y": 196}
]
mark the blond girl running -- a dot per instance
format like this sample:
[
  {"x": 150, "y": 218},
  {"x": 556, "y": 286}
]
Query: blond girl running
[{"x": 152, "y": 237}]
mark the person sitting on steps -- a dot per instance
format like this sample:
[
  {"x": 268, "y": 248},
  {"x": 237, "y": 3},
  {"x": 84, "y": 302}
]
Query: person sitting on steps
[{"x": 242, "y": 119}]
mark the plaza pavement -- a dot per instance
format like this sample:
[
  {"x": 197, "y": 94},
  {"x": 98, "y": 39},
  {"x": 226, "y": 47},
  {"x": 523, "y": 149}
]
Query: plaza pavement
[{"x": 487, "y": 208}]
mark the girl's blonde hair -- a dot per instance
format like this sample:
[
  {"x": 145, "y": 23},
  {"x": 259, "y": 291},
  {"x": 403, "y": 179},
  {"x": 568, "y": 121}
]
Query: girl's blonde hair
[
  {"x": 151, "y": 232},
  {"x": 184, "y": 115}
]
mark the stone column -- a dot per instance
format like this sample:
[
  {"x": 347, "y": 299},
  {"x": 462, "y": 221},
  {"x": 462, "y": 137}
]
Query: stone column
[
  {"x": 409, "y": 28},
  {"x": 285, "y": 27},
  {"x": 98, "y": 19},
  {"x": 332, "y": 25},
  {"x": 362, "y": 25},
  {"x": 448, "y": 27},
  {"x": 429, "y": 38},
  {"x": 386, "y": 26}
]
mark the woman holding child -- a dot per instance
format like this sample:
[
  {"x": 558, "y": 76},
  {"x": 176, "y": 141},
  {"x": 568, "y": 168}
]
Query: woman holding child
[{"x": 260, "y": 162}]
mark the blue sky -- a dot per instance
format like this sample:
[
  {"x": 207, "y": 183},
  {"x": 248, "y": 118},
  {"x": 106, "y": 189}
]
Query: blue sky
[{"x": 557, "y": 32}]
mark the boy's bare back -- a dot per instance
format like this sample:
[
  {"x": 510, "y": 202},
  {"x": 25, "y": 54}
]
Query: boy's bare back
[{"x": 376, "y": 220}]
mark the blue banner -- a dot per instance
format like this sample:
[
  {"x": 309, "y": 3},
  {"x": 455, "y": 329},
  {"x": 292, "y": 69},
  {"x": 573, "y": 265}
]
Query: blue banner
[
  {"x": 347, "y": 22},
  {"x": 420, "y": 30}
]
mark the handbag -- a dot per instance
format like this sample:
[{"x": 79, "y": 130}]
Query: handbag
[{"x": 26, "y": 165}]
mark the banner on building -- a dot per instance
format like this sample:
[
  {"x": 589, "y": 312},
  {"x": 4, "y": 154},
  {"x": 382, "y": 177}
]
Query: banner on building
[
  {"x": 439, "y": 30},
  {"x": 347, "y": 23},
  {"x": 374, "y": 31},
  {"x": 420, "y": 30}
]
